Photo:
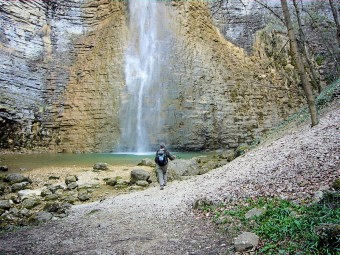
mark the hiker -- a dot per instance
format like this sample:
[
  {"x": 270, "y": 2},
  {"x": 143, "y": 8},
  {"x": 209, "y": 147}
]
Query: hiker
[{"x": 161, "y": 159}]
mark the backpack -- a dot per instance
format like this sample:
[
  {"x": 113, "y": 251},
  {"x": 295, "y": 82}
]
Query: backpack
[{"x": 161, "y": 158}]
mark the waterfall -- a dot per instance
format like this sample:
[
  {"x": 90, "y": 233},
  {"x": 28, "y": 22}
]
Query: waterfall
[{"x": 141, "y": 109}]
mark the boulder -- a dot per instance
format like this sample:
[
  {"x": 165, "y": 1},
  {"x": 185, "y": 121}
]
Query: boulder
[
  {"x": 100, "y": 166},
  {"x": 255, "y": 212},
  {"x": 16, "y": 178},
  {"x": 30, "y": 202},
  {"x": 5, "y": 204},
  {"x": 25, "y": 212},
  {"x": 84, "y": 195},
  {"x": 56, "y": 207},
  {"x": 70, "y": 179},
  {"x": 26, "y": 193},
  {"x": 182, "y": 167},
  {"x": 110, "y": 181},
  {"x": 41, "y": 217},
  {"x": 121, "y": 184},
  {"x": 19, "y": 186},
  {"x": 72, "y": 185},
  {"x": 142, "y": 183},
  {"x": 147, "y": 162},
  {"x": 71, "y": 199},
  {"x": 45, "y": 192},
  {"x": 51, "y": 197},
  {"x": 3, "y": 168},
  {"x": 54, "y": 188},
  {"x": 139, "y": 175},
  {"x": 246, "y": 241}
]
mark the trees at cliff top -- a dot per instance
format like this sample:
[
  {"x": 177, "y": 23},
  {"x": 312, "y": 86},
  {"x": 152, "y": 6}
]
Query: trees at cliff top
[{"x": 299, "y": 64}]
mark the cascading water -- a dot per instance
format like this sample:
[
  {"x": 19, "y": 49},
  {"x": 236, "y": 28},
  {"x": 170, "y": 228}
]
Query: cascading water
[{"x": 141, "y": 110}]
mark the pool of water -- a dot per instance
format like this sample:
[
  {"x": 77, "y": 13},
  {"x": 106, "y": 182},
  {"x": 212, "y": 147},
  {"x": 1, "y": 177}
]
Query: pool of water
[{"x": 33, "y": 161}]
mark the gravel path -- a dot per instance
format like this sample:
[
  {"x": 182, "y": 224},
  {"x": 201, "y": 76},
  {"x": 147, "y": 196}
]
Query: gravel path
[{"x": 162, "y": 222}]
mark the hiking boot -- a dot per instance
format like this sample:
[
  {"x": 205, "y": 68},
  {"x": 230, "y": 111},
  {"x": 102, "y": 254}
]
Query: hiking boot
[{"x": 162, "y": 187}]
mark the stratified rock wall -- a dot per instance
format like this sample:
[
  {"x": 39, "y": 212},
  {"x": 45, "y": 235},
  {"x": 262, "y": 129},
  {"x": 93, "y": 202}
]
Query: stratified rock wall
[
  {"x": 219, "y": 96},
  {"x": 60, "y": 75}
]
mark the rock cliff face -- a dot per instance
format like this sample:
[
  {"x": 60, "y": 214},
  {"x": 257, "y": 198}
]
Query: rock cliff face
[
  {"x": 62, "y": 75},
  {"x": 219, "y": 96}
]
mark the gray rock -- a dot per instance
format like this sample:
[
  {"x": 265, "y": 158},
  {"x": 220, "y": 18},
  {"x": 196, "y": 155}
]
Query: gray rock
[
  {"x": 14, "y": 211},
  {"x": 5, "y": 204},
  {"x": 57, "y": 207},
  {"x": 110, "y": 181},
  {"x": 100, "y": 166},
  {"x": 3, "y": 168},
  {"x": 26, "y": 193},
  {"x": 182, "y": 167},
  {"x": 19, "y": 186},
  {"x": 54, "y": 188},
  {"x": 30, "y": 202},
  {"x": 147, "y": 162},
  {"x": 42, "y": 217},
  {"x": 139, "y": 175},
  {"x": 16, "y": 178},
  {"x": 71, "y": 199},
  {"x": 25, "y": 212},
  {"x": 142, "y": 183},
  {"x": 255, "y": 212},
  {"x": 51, "y": 197},
  {"x": 121, "y": 184},
  {"x": 246, "y": 241},
  {"x": 84, "y": 196},
  {"x": 70, "y": 179},
  {"x": 72, "y": 185},
  {"x": 45, "y": 192}
]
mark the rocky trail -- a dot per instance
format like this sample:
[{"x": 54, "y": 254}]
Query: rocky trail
[{"x": 152, "y": 221}]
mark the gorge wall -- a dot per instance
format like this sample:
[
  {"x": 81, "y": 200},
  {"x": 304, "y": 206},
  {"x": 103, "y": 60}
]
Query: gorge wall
[
  {"x": 61, "y": 73},
  {"x": 62, "y": 77}
]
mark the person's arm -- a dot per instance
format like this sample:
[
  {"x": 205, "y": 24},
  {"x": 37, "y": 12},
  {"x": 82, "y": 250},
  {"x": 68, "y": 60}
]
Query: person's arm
[{"x": 170, "y": 156}]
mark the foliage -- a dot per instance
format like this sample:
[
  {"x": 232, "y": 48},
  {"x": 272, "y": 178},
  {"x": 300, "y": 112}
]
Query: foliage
[{"x": 284, "y": 227}]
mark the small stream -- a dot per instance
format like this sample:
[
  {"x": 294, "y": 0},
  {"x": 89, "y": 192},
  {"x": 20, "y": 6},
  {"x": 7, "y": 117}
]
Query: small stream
[{"x": 34, "y": 161}]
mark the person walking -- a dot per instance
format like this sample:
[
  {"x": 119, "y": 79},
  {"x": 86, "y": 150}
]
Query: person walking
[{"x": 161, "y": 159}]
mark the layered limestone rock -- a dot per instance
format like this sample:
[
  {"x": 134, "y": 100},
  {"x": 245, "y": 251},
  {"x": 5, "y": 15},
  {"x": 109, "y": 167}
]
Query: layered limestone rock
[
  {"x": 219, "y": 96},
  {"x": 62, "y": 76},
  {"x": 61, "y": 72}
]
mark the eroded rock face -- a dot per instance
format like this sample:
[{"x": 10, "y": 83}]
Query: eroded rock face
[{"x": 62, "y": 74}]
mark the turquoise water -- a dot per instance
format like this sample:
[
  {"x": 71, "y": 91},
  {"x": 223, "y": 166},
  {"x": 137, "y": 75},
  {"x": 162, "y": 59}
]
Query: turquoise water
[{"x": 32, "y": 161}]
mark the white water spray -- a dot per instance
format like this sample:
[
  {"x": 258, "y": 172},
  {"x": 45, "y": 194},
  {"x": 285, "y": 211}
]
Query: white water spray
[{"x": 141, "y": 111}]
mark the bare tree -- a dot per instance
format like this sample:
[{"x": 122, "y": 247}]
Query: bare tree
[
  {"x": 303, "y": 48},
  {"x": 336, "y": 19},
  {"x": 299, "y": 64}
]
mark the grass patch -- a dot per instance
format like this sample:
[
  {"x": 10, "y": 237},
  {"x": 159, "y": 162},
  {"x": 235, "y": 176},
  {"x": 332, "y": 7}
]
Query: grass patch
[{"x": 284, "y": 227}]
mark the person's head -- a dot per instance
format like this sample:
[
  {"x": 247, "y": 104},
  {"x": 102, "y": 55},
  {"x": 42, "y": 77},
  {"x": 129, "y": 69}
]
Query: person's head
[{"x": 162, "y": 146}]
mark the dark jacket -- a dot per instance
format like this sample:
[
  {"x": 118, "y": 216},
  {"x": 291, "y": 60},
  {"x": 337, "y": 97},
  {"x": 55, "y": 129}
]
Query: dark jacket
[{"x": 167, "y": 153}]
